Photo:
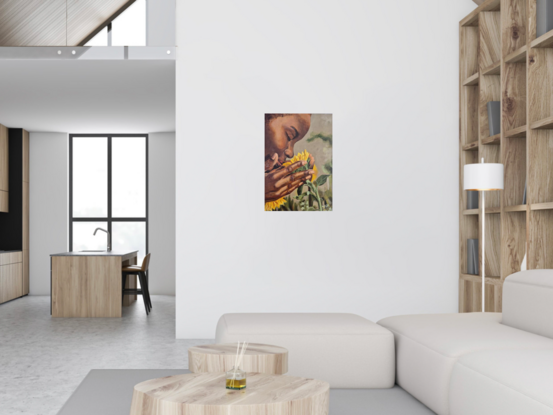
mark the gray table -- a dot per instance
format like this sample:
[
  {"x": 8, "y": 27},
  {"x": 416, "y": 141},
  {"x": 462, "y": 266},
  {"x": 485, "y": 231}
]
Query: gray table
[{"x": 109, "y": 392}]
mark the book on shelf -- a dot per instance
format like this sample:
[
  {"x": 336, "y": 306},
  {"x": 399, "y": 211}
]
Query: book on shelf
[
  {"x": 544, "y": 17},
  {"x": 494, "y": 120},
  {"x": 524, "y": 196},
  {"x": 472, "y": 199},
  {"x": 472, "y": 257}
]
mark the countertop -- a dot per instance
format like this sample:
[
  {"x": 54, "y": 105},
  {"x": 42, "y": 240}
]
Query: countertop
[{"x": 102, "y": 253}]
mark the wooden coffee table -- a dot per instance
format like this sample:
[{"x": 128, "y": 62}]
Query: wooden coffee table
[
  {"x": 259, "y": 358},
  {"x": 205, "y": 394}
]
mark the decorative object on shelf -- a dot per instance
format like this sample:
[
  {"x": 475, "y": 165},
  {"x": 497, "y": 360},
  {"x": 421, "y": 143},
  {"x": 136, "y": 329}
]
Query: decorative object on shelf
[
  {"x": 483, "y": 177},
  {"x": 236, "y": 378},
  {"x": 544, "y": 17},
  {"x": 524, "y": 196},
  {"x": 298, "y": 162},
  {"x": 472, "y": 256},
  {"x": 472, "y": 200},
  {"x": 494, "y": 117}
]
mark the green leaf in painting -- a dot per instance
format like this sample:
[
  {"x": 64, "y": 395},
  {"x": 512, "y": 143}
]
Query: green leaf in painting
[{"x": 321, "y": 180}]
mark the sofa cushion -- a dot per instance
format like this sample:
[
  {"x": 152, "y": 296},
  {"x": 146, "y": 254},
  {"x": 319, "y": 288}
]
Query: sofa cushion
[
  {"x": 346, "y": 350},
  {"x": 427, "y": 347},
  {"x": 503, "y": 382},
  {"x": 528, "y": 301}
]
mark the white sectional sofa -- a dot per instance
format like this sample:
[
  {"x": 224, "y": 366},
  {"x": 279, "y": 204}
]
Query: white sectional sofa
[
  {"x": 345, "y": 350},
  {"x": 482, "y": 363}
]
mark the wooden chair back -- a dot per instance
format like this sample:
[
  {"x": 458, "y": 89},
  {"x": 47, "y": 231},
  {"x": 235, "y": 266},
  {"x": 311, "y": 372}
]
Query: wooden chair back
[{"x": 145, "y": 263}]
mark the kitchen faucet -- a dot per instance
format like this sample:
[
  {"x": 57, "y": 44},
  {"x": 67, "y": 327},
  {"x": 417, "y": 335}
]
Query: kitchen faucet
[{"x": 109, "y": 238}]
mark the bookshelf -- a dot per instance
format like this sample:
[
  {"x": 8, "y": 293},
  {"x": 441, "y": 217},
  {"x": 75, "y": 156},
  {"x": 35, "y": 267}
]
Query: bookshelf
[{"x": 502, "y": 60}]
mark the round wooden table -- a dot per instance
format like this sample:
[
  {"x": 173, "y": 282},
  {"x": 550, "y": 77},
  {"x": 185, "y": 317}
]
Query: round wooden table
[
  {"x": 259, "y": 358},
  {"x": 205, "y": 394}
]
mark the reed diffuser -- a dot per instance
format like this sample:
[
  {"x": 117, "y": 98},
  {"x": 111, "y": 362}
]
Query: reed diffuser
[{"x": 236, "y": 378}]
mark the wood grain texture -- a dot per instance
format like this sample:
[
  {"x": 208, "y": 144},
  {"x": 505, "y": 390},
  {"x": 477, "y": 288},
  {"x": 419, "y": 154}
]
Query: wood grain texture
[
  {"x": 4, "y": 160},
  {"x": 490, "y": 90},
  {"x": 541, "y": 206},
  {"x": 518, "y": 56},
  {"x": 540, "y": 84},
  {"x": 470, "y": 37},
  {"x": 86, "y": 286},
  {"x": 513, "y": 103},
  {"x": 32, "y": 23},
  {"x": 513, "y": 25},
  {"x": 493, "y": 69},
  {"x": 205, "y": 394},
  {"x": 11, "y": 258},
  {"x": 469, "y": 115},
  {"x": 540, "y": 240},
  {"x": 490, "y": 40},
  {"x": 4, "y": 201},
  {"x": 25, "y": 272},
  {"x": 494, "y": 139},
  {"x": 493, "y": 245},
  {"x": 472, "y": 80},
  {"x": 540, "y": 171},
  {"x": 514, "y": 162},
  {"x": 516, "y": 208},
  {"x": 260, "y": 358},
  {"x": 519, "y": 132},
  {"x": 131, "y": 280},
  {"x": 473, "y": 18},
  {"x": 10, "y": 282},
  {"x": 544, "y": 124},
  {"x": 471, "y": 146},
  {"x": 491, "y": 154},
  {"x": 513, "y": 242}
]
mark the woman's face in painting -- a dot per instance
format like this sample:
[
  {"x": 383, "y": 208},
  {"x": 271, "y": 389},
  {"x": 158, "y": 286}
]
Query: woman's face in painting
[{"x": 281, "y": 133}]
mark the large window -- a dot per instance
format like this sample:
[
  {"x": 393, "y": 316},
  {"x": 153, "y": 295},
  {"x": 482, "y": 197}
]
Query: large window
[
  {"x": 127, "y": 29},
  {"x": 108, "y": 184}
]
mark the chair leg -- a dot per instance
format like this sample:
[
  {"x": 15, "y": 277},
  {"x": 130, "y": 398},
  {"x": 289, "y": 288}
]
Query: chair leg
[
  {"x": 146, "y": 289},
  {"x": 148, "y": 285},
  {"x": 143, "y": 296},
  {"x": 123, "y": 289}
]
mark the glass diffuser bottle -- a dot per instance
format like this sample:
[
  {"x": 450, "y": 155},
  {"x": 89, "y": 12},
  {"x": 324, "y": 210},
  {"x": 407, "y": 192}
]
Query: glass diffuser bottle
[{"x": 236, "y": 379}]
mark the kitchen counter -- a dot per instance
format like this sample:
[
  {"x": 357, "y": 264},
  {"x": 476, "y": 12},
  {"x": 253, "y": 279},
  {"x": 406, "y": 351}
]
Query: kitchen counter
[{"x": 89, "y": 284}]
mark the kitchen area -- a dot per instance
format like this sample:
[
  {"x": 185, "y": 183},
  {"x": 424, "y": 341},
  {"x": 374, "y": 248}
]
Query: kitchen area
[{"x": 14, "y": 213}]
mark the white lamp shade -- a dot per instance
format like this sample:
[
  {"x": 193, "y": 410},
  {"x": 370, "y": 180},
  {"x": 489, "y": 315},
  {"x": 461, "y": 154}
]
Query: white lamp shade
[{"x": 483, "y": 176}]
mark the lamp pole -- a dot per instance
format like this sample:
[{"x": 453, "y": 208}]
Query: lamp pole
[{"x": 483, "y": 248}]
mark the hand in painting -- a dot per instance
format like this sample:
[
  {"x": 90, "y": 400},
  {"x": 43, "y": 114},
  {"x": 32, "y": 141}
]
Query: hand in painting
[{"x": 282, "y": 181}]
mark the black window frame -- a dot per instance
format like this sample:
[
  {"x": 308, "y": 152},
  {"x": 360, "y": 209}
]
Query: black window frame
[{"x": 109, "y": 219}]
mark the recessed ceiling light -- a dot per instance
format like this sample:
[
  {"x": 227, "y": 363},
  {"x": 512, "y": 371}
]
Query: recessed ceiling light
[
  {"x": 73, "y": 52},
  {"x": 168, "y": 52},
  {"x": 59, "y": 52}
]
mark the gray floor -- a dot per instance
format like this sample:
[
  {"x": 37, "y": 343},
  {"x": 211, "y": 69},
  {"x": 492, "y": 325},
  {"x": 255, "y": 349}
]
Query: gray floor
[
  {"x": 109, "y": 392},
  {"x": 44, "y": 360}
]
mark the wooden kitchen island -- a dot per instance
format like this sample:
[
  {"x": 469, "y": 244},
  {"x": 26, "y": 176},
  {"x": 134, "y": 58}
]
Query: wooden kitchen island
[{"x": 88, "y": 284}]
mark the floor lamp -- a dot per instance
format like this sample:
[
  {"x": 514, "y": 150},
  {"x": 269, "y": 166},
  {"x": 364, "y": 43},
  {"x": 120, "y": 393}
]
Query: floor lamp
[{"x": 483, "y": 177}]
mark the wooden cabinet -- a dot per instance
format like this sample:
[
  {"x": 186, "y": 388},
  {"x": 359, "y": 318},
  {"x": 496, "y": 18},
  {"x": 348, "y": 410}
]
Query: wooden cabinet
[
  {"x": 4, "y": 168},
  {"x": 11, "y": 281}
]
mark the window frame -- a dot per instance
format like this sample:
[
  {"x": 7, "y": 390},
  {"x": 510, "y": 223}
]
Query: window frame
[{"x": 109, "y": 218}]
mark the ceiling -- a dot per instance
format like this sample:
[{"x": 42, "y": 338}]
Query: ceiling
[
  {"x": 88, "y": 96},
  {"x": 55, "y": 22}
]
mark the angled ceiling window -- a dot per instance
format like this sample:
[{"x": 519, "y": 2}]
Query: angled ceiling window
[{"x": 72, "y": 22}]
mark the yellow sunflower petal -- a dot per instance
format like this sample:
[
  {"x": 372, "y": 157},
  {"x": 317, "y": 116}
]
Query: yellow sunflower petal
[{"x": 269, "y": 206}]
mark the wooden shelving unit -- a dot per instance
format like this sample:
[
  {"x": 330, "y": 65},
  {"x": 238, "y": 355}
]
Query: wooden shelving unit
[{"x": 501, "y": 60}]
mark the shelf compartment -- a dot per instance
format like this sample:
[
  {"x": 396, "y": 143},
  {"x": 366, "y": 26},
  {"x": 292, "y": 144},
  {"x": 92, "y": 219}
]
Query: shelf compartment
[
  {"x": 471, "y": 146},
  {"x": 469, "y": 40},
  {"x": 543, "y": 42},
  {"x": 540, "y": 171},
  {"x": 513, "y": 99},
  {"x": 490, "y": 43},
  {"x": 513, "y": 240},
  {"x": 518, "y": 56},
  {"x": 541, "y": 206},
  {"x": 514, "y": 30},
  {"x": 468, "y": 212},
  {"x": 543, "y": 124},
  {"x": 514, "y": 160},
  {"x": 519, "y": 132},
  {"x": 470, "y": 294},
  {"x": 515, "y": 208},
  {"x": 473, "y": 18},
  {"x": 494, "y": 139},
  {"x": 540, "y": 236},
  {"x": 472, "y": 80}
]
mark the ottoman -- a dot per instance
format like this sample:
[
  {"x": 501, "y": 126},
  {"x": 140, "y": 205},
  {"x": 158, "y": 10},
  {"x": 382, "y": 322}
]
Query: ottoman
[{"x": 345, "y": 350}]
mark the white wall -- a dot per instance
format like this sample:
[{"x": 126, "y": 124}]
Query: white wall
[
  {"x": 162, "y": 212},
  {"x": 48, "y": 220},
  {"x": 388, "y": 71},
  {"x": 160, "y": 22}
]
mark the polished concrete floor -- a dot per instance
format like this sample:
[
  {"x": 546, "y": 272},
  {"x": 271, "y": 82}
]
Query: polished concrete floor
[{"x": 43, "y": 360}]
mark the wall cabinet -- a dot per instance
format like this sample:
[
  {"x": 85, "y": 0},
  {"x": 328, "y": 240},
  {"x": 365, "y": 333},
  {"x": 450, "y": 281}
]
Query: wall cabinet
[{"x": 4, "y": 169}]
